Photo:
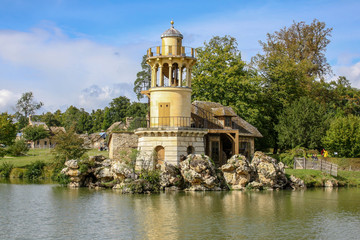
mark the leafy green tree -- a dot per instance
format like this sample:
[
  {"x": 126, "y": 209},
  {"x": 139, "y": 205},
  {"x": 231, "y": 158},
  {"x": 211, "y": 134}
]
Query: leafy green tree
[
  {"x": 292, "y": 59},
  {"x": 343, "y": 136},
  {"x": 26, "y": 106},
  {"x": 34, "y": 133},
  {"x": 7, "y": 129},
  {"x": 221, "y": 76},
  {"x": 51, "y": 120},
  {"x": 303, "y": 123},
  {"x": 137, "y": 110},
  {"x": 143, "y": 78},
  {"x": 76, "y": 118},
  {"x": 116, "y": 112},
  {"x": 68, "y": 145},
  {"x": 97, "y": 118}
]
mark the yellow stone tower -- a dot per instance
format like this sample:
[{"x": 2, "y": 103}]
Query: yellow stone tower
[{"x": 169, "y": 134}]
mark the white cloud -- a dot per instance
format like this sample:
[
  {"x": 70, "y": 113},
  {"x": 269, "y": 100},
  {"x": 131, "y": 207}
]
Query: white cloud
[
  {"x": 350, "y": 72},
  {"x": 8, "y": 100},
  {"x": 102, "y": 95},
  {"x": 56, "y": 68}
]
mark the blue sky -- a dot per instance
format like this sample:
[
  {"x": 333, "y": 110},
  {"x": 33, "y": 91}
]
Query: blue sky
[{"x": 85, "y": 53}]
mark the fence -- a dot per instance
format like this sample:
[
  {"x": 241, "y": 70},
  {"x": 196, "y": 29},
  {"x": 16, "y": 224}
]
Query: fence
[{"x": 322, "y": 165}]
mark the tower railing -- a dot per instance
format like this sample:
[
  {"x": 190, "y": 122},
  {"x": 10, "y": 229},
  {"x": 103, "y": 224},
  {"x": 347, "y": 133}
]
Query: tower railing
[{"x": 172, "y": 50}]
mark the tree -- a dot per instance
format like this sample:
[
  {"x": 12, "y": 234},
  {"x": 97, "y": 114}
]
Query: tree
[
  {"x": 68, "y": 145},
  {"x": 97, "y": 118},
  {"x": 116, "y": 112},
  {"x": 26, "y": 106},
  {"x": 7, "y": 129},
  {"x": 143, "y": 78},
  {"x": 34, "y": 133},
  {"x": 343, "y": 136},
  {"x": 221, "y": 76},
  {"x": 303, "y": 124},
  {"x": 19, "y": 148},
  {"x": 52, "y": 119},
  {"x": 76, "y": 118},
  {"x": 293, "y": 59}
]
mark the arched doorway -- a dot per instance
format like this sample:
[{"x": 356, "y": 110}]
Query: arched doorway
[{"x": 160, "y": 155}]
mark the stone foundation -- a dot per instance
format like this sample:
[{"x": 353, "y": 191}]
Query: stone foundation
[{"x": 175, "y": 142}]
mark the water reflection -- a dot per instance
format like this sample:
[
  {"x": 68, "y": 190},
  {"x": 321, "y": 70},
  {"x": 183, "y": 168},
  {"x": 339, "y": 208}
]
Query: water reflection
[{"x": 52, "y": 212}]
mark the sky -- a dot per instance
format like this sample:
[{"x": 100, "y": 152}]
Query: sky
[{"x": 85, "y": 53}]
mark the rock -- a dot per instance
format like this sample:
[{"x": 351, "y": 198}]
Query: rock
[
  {"x": 199, "y": 173},
  {"x": 121, "y": 170},
  {"x": 296, "y": 183},
  {"x": 269, "y": 173},
  {"x": 103, "y": 174},
  {"x": 171, "y": 177},
  {"x": 98, "y": 158},
  {"x": 72, "y": 164},
  {"x": 237, "y": 172},
  {"x": 331, "y": 183}
]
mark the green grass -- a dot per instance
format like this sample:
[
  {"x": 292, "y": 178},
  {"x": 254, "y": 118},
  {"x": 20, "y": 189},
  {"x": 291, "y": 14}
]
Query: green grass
[
  {"x": 42, "y": 155},
  {"x": 315, "y": 178}
]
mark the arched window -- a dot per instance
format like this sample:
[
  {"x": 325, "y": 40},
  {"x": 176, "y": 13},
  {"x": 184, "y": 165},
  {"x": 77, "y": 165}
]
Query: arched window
[{"x": 190, "y": 150}]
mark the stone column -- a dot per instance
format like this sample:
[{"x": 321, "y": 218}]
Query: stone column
[
  {"x": 180, "y": 76},
  {"x": 153, "y": 77},
  {"x": 170, "y": 75},
  {"x": 161, "y": 76}
]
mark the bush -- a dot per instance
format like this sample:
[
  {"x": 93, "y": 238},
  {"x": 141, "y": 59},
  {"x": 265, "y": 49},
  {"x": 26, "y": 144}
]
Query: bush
[
  {"x": 19, "y": 148},
  {"x": 5, "y": 169},
  {"x": 344, "y": 136},
  {"x": 35, "y": 170},
  {"x": 153, "y": 177},
  {"x": 288, "y": 157}
]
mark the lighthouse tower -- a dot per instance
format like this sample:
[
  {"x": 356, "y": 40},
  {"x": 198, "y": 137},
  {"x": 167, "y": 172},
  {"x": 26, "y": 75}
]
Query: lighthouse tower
[{"x": 169, "y": 135}]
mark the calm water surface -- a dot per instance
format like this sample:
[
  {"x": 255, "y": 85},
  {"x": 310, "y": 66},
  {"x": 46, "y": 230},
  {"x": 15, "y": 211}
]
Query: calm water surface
[{"x": 45, "y": 211}]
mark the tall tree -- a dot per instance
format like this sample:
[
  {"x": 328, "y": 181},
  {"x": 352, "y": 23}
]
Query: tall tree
[
  {"x": 26, "y": 106},
  {"x": 68, "y": 145},
  {"x": 303, "y": 123},
  {"x": 143, "y": 78},
  {"x": 221, "y": 76},
  {"x": 293, "y": 58}
]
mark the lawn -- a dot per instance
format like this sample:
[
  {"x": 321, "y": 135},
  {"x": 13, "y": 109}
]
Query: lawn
[
  {"x": 315, "y": 178},
  {"x": 42, "y": 155}
]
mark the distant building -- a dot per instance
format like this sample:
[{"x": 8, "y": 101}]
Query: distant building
[{"x": 46, "y": 142}]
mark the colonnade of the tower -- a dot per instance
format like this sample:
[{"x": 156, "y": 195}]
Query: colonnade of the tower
[{"x": 172, "y": 73}]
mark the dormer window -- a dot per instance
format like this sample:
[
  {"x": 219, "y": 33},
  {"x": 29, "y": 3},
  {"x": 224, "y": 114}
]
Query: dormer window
[{"x": 227, "y": 121}]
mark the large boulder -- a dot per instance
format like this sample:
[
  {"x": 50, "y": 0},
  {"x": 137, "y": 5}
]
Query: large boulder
[
  {"x": 237, "y": 172},
  {"x": 122, "y": 171},
  {"x": 270, "y": 174},
  {"x": 199, "y": 173},
  {"x": 170, "y": 178}
]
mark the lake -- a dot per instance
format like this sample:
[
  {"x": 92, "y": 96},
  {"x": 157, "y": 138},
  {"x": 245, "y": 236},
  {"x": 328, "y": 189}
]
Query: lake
[{"x": 47, "y": 211}]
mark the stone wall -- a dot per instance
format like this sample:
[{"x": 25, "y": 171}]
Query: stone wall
[{"x": 120, "y": 141}]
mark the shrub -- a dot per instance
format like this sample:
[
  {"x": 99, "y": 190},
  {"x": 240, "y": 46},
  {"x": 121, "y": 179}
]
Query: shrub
[
  {"x": 19, "y": 148},
  {"x": 5, "y": 169},
  {"x": 344, "y": 136},
  {"x": 35, "y": 170},
  {"x": 288, "y": 157},
  {"x": 153, "y": 177}
]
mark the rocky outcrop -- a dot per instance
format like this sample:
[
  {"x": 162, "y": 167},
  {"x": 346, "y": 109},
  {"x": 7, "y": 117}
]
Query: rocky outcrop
[
  {"x": 296, "y": 183},
  {"x": 268, "y": 173},
  {"x": 237, "y": 172},
  {"x": 199, "y": 173},
  {"x": 171, "y": 178}
]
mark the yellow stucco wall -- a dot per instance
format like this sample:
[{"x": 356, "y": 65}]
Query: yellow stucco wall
[
  {"x": 179, "y": 99},
  {"x": 175, "y": 44}
]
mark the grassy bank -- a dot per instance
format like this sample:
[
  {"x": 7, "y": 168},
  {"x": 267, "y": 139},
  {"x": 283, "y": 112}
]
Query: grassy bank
[
  {"x": 43, "y": 155},
  {"x": 315, "y": 178}
]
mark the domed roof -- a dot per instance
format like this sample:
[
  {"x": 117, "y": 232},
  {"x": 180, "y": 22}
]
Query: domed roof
[{"x": 172, "y": 32}]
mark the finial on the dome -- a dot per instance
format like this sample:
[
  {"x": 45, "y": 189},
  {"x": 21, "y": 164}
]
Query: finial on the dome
[{"x": 172, "y": 23}]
